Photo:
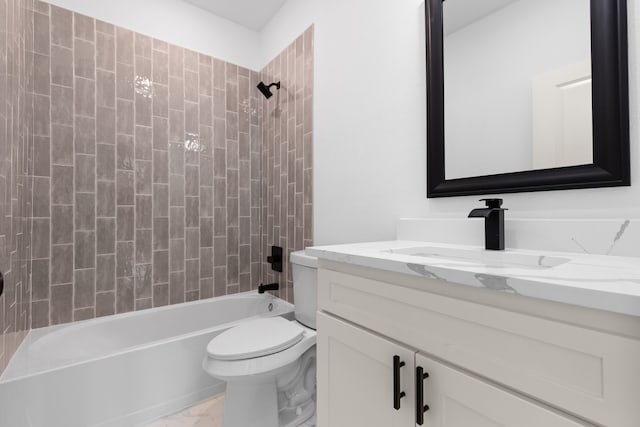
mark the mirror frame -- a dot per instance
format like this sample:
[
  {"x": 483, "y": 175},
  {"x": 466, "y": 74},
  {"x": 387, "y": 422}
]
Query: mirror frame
[{"x": 610, "y": 111}]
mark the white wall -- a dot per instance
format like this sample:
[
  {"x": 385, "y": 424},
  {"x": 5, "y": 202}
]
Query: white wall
[
  {"x": 177, "y": 22},
  {"x": 369, "y": 123}
]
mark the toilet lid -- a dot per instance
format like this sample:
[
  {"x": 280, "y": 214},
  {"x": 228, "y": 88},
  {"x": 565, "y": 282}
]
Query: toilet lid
[{"x": 255, "y": 338}]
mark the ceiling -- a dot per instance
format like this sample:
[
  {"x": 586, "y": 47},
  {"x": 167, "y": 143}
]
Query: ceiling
[{"x": 253, "y": 14}]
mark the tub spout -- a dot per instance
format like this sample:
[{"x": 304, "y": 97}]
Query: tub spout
[{"x": 270, "y": 287}]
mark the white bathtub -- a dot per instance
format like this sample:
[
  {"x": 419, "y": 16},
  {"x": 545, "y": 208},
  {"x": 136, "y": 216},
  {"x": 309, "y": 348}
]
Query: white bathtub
[{"x": 123, "y": 370}]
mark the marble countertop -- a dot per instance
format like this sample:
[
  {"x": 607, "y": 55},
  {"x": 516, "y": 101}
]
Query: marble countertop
[{"x": 603, "y": 282}]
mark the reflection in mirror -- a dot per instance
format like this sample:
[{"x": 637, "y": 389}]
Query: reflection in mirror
[{"x": 517, "y": 84}]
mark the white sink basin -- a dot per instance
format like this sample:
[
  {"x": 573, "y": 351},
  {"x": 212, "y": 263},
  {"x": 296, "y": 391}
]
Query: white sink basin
[{"x": 477, "y": 256}]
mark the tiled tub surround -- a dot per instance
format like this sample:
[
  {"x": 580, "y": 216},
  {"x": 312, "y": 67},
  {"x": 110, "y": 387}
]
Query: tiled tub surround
[
  {"x": 16, "y": 151},
  {"x": 287, "y": 156},
  {"x": 149, "y": 170},
  {"x": 123, "y": 370}
]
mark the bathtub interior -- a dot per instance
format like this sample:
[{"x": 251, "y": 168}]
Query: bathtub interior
[
  {"x": 128, "y": 384},
  {"x": 59, "y": 346}
]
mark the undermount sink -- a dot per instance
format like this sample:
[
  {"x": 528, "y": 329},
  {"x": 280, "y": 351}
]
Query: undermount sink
[{"x": 478, "y": 256}]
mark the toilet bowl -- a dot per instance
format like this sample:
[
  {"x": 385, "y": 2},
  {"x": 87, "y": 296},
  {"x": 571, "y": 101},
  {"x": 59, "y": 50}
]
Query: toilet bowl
[{"x": 269, "y": 363}]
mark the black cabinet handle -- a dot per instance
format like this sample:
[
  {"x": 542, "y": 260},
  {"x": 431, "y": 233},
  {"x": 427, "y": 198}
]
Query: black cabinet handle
[
  {"x": 397, "y": 394},
  {"x": 1, "y": 284},
  {"x": 421, "y": 408}
]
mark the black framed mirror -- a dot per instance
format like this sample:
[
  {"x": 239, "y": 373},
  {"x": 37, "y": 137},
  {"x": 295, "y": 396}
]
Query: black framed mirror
[{"x": 602, "y": 131}]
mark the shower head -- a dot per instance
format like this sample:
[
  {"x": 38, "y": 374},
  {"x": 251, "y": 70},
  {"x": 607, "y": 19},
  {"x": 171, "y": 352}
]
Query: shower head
[{"x": 266, "y": 90}]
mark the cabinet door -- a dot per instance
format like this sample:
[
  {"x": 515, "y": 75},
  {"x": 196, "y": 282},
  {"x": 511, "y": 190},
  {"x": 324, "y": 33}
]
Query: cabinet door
[
  {"x": 356, "y": 378},
  {"x": 456, "y": 399}
]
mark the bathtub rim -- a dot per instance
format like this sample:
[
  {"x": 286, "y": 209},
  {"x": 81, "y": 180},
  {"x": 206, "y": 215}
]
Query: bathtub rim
[{"x": 287, "y": 309}]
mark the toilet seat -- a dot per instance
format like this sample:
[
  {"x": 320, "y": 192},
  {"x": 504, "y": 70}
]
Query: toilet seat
[
  {"x": 257, "y": 366},
  {"x": 256, "y": 338}
]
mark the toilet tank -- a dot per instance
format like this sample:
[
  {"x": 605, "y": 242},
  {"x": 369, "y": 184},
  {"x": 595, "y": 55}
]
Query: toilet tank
[{"x": 305, "y": 287}]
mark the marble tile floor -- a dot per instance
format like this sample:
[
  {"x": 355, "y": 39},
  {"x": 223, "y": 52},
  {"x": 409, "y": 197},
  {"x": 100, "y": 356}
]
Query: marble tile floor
[{"x": 204, "y": 414}]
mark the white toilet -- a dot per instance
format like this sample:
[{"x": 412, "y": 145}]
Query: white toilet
[{"x": 269, "y": 364}]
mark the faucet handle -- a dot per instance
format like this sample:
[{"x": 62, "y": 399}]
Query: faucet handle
[{"x": 492, "y": 203}]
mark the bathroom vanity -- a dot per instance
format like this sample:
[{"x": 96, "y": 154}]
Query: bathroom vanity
[{"x": 441, "y": 335}]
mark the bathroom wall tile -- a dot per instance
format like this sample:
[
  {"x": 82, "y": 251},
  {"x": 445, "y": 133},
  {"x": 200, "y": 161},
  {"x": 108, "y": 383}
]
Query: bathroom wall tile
[
  {"x": 176, "y": 222},
  {"x": 144, "y": 247},
  {"x": 105, "y": 162},
  {"x": 41, "y": 156},
  {"x": 85, "y": 97},
  {"x": 125, "y": 188},
  {"x": 160, "y": 200},
  {"x": 105, "y": 28},
  {"x": 84, "y": 249},
  {"x": 124, "y": 259},
  {"x": 173, "y": 222},
  {"x": 84, "y": 135},
  {"x": 62, "y": 106},
  {"x": 106, "y": 199},
  {"x": 160, "y": 133},
  {"x": 61, "y": 304},
  {"x": 125, "y": 152},
  {"x": 62, "y": 260},
  {"x": 40, "y": 314},
  {"x": 85, "y": 173},
  {"x": 41, "y": 198},
  {"x": 61, "y": 225},
  {"x": 105, "y": 89},
  {"x": 40, "y": 279},
  {"x": 160, "y": 233},
  {"x": 124, "y": 46},
  {"x": 84, "y": 27},
  {"x": 125, "y": 117},
  {"x": 105, "y": 49},
  {"x": 105, "y": 304},
  {"x": 124, "y": 81},
  {"x": 106, "y": 235},
  {"x": 192, "y": 212},
  {"x": 84, "y": 288},
  {"x": 144, "y": 211},
  {"x": 61, "y": 66},
  {"x": 143, "y": 287},
  {"x": 125, "y": 301},
  {"x": 176, "y": 287},
  {"x": 105, "y": 273},
  {"x": 61, "y": 26},
  {"x": 40, "y": 237},
  {"x": 143, "y": 45},
  {"x": 41, "y": 76},
  {"x": 192, "y": 243},
  {"x": 125, "y": 223},
  {"x": 61, "y": 151},
  {"x": 160, "y": 267},
  {"x": 160, "y": 67},
  {"x": 144, "y": 178},
  {"x": 160, "y": 295},
  {"x": 85, "y": 216},
  {"x": 192, "y": 275},
  {"x": 144, "y": 143},
  {"x": 176, "y": 255},
  {"x": 84, "y": 58},
  {"x": 206, "y": 262},
  {"x": 106, "y": 125}
]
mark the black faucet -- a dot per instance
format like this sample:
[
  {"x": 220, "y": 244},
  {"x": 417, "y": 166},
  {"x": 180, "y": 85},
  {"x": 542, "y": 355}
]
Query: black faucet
[
  {"x": 493, "y": 216},
  {"x": 269, "y": 287}
]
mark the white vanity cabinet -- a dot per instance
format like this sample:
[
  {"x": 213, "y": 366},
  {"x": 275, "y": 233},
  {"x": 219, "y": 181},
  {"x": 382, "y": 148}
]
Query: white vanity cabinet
[
  {"x": 356, "y": 387},
  {"x": 486, "y": 366}
]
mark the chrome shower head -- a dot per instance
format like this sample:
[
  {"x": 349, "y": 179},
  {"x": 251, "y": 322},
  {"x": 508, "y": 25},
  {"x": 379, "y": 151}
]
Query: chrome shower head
[{"x": 266, "y": 90}]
